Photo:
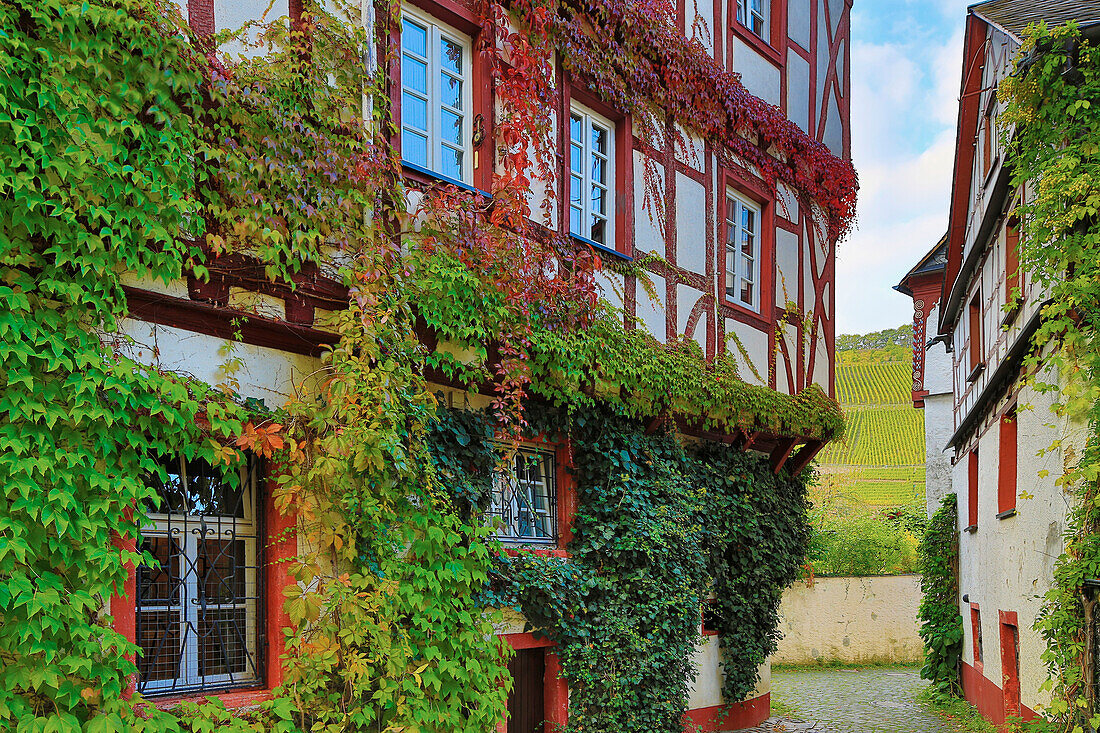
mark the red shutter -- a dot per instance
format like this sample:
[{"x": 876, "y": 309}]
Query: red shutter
[
  {"x": 972, "y": 489},
  {"x": 1006, "y": 471}
]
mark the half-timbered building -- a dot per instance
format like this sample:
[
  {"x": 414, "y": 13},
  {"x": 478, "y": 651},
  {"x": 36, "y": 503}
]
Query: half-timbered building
[{"x": 742, "y": 266}]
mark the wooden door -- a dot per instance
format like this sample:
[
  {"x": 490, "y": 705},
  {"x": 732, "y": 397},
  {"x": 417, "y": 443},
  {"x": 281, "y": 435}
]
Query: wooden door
[{"x": 526, "y": 710}]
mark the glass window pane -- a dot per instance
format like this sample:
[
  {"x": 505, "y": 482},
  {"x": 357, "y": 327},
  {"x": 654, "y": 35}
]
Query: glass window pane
[
  {"x": 211, "y": 493},
  {"x": 159, "y": 584},
  {"x": 221, "y": 569},
  {"x": 747, "y": 292},
  {"x": 414, "y": 74},
  {"x": 450, "y": 163},
  {"x": 158, "y": 635},
  {"x": 599, "y": 140},
  {"x": 576, "y": 217},
  {"x": 741, "y": 11},
  {"x": 599, "y": 200},
  {"x": 171, "y": 493},
  {"x": 414, "y": 147},
  {"x": 450, "y": 127},
  {"x": 576, "y": 129},
  {"x": 414, "y": 37},
  {"x": 731, "y": 272},
  {"x": 599, "y": 230},
  {"x": 576, "y": 159},
  {"x": 450, "y": 55},
  {"x": 576, "y": 190},
  {"x": 748, "y": 219},
  {"x": 599, "y": 170},
  {"x": 747, "y": 268},
  {"x": 222, "y": 647},
  {"x": 748, "y": 244},
  {"x": 414, "y": 112},
  {"x": 450, "y": 90}
]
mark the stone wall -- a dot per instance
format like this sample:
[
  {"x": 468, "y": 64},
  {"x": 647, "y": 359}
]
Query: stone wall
[{"x": 851, "y": 620}]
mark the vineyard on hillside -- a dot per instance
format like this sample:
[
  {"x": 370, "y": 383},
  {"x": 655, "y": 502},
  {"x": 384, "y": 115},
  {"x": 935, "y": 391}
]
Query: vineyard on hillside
[{"x": 881, "y": 459}]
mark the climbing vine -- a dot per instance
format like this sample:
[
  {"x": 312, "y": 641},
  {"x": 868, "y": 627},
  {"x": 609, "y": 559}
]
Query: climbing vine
[
  {"x": 131, "y": 150},
  {"x": 941, "y": 624},
  {"x": 1053, "y": 108}
]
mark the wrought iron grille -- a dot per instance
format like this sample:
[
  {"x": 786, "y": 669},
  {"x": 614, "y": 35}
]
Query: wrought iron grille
[
  {"x": 199, "y": 609},
  {"x": 525, "y": 498}
]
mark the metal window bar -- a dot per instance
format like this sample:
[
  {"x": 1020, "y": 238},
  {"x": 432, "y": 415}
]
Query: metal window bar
[
  {"x": 200, "y": 607},
  {"x": 524, "y": 499}
]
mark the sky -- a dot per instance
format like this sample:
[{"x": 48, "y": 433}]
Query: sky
[{"x": 906, "y": 71}]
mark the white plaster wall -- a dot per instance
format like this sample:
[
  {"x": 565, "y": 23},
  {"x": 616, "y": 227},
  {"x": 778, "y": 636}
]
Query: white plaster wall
[
  {"x": 1007, "y": 564},
  {"x": 758, "y": 74},
  {"x": 798, "y": 88},
  {"x": 938, "y": 427},
  {"x": 611, "y": 287},
  {"x": 706, "y": 690},
  {"x": 691, "y": 224},
  {"x": 851, "y": 620},
  {"x": 756, "y": 346},
  {"x": 798, "y": 22},
  {"x": 233, "y": 15},
  {"x": 648, "y": 236},
  {"x": 786, "y": 266},
  {"x": 266, "y": 374},
  {"x": 651, "y": 315},
  {"x": 686, "y": 299}
]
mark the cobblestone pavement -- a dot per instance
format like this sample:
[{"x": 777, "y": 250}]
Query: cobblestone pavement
[{"x": 852, "y": 701}]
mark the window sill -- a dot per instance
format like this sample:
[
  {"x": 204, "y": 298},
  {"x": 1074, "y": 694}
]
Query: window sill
[
  {"x": 975, "y": 372},
  {"x": 602, "y": 248},
  {"x": 428, "y": 176},
  {"x": 993, "y": 165},
  {"x": 1011, "y": 311},
  {"x": 709, "y": 632},
  {"x": 231, "y": 700},
  {"x": 540, "y": 550},
  {"x": 1007, "y": 513},
  {"x": 757, "y": 43},
  {"x": 971, "y": 529}
]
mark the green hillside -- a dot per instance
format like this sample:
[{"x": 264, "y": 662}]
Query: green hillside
[{"x": 881, "y": 459}]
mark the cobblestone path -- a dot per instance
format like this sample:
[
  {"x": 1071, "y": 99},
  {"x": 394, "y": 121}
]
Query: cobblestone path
[{"x": 853, "y": 701}]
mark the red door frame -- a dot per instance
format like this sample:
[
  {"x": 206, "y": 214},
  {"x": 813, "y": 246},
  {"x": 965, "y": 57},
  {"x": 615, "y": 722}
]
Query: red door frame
[{"x": 555, "y": 692}]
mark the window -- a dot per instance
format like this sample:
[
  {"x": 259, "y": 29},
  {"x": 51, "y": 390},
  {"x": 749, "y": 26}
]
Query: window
[
  {"x": 591, "y": 176},
  {"x": 1006, "y": 470},
  {"x": 987, "y": 143},
  {"x": 742, "y": 251},
  {"x": 712, "y": 617},
  {"x": 1012, "y": 263},
  {"x": 435, "y": 98},
  {"x": 753, "y": 15},
  {"x": 1010, "y": 662},
  {"x": 972, "y": 490},
  {"x": 524, "y": 498},
  {"x": 975, "y": 351},
  {"x": 198, "y": 610},
  {"x": 976, "y": 631}
]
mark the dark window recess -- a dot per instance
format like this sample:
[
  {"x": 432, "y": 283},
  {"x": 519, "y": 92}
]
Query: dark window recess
[
  {"x": 712, "y": 619},
  {"x": 199, "y": 605},
  {"x": 525, "y": 498},
  {"x": 526, "y": 705}
]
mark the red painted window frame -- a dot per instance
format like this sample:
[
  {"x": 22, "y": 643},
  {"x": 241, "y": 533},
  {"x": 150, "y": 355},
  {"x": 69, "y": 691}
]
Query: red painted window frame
[
  {"x": 972, "y": 489},
  {"x": 1010, "y": 663},
  {"x": 280, "y": 545},
  {"x": 577, "y": 89},
  {"x": 555, "y": 691},
  {"x": 1007, "y": 461},
  {"x": 974, "y": 311},
  {"x": 976, "y": 636},
  {"x": 772, "y": 47},
  {"x": 755, "y": 190},
  {"x": 464, "y": 19}
]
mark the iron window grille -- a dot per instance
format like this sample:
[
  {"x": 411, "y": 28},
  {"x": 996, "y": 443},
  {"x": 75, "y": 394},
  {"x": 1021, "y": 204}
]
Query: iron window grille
[
  {"x": 524, "y": 498},
  {"x": 199, "y": 608}
]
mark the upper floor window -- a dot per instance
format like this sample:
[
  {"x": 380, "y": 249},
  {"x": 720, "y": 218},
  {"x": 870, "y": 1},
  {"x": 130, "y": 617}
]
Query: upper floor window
[
  {"x": 524, "y": 498},
  {"x": 753, "y": 14},
  {"x": 591, "y": 176},
  {"x": 435, "y": 97},
  {"x": 742, "y": 251},
  {"x": 198, "y": 609}
]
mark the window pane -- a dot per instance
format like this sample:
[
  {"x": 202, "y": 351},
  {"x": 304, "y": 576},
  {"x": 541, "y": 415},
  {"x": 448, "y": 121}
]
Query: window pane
[
  {"x": 159, "y": 585},
  {"x": 171, "y": 493},
  {"x": 414, "y": 37},
  {"x": 210, "y": 492},
  {"x": 450, "y": 163},
  {"x": 450, "y": 127},
  {"x": 748, "y": 219},
  {"x": 221, "y": 570},
  {"x": 576, "y": 190},
  {"x": 731, "y": 272},
  {"x": 158, "y": 635},
  {"x": 576, "y": 217},
  {"x": 599, "y": 170},
  {"x": 450, "y": 90},
  {"x": 748, "y": 244},
  {"x": 599, "y": 200},
  {"x": 576, "y": 159},
  {"x": 414, "y": 112},
  {"x": 450, "y": 55},
  {"x": 741, "y": 11},
  {"x": 414, "y": 74},
  {"x": 599, "y": 140},
  {"x": 576, "y": 129},
  {"x": 222, "y": 647},
  {"x": 747, "y": 268},
  {"x": 599, "y": 230},
  {"x": 747, "y": 292},
  {"x": 414, "y": 148}
]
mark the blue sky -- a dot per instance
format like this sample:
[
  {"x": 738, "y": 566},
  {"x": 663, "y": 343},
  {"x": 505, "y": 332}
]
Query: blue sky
[{"x": 906, "y": 57}]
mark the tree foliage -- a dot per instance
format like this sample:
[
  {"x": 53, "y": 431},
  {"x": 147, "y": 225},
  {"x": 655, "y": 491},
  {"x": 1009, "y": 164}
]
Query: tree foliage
[{"x": 941, "y": 623}]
